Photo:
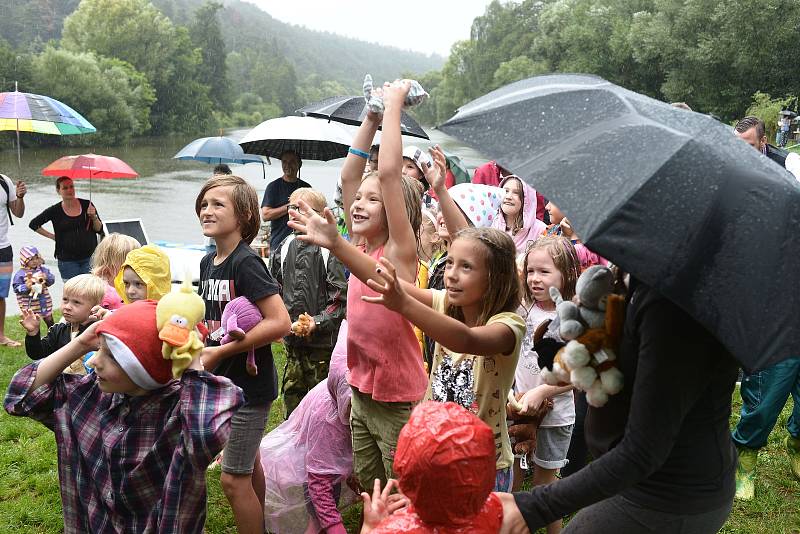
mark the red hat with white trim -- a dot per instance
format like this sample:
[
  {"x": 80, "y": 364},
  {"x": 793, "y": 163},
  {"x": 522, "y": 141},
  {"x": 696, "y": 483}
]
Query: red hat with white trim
[{"x": 132, "y": 337}]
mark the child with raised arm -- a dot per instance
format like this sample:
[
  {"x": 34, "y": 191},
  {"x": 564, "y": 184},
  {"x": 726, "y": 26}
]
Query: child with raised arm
[
  {"x": 81, "y": 294},
  {"x": 473, "y": 321},
  {"x": 227, "y": 207},
  {"x": 383, "y": 355},
  {"x": 119, "y": 471}
]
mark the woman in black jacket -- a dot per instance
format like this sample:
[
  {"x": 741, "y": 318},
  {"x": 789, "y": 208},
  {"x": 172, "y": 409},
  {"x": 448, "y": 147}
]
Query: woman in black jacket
[
  {"x": 75, "y": 229},
  {"x": 665, "y": 460}
]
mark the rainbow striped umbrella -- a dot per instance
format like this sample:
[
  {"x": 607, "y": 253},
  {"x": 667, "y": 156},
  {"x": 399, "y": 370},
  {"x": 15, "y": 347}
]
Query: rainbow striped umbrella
[{"x": 26, "y": 112}]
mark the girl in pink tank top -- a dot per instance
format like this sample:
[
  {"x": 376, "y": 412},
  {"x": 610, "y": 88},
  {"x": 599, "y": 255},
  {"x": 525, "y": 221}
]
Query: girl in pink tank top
[{"x": 383, "y": 211}]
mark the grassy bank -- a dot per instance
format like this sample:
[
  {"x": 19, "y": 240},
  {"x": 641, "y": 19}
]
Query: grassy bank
[{"x": 30, "y": 500}]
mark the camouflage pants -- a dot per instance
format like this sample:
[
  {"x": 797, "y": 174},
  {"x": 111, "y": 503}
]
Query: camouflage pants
[{"x": 305, "y": 368}]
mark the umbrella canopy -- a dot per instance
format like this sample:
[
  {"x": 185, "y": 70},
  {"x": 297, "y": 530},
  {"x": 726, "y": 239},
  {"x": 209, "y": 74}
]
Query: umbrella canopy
[
  {"x": 352, "y": 110},
  {"x": 216, "y": 150},
  {"x": 309, "y": 138},
  {"x": 26, "y": 112},
  {"x": 92, "y": 166},
  {"x": 669, "y": 195}
]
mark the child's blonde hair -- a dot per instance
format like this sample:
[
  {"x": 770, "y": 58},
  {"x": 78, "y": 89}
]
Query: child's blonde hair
[
  {"x": 244, "y": 199},
  {"x": 502, "y": 293},
  {"x": 311, "y": 196},
  {"x": 564, "y": 257},
  {"x": 110, "y": 254},
  {"x": 88, "y": 286}
]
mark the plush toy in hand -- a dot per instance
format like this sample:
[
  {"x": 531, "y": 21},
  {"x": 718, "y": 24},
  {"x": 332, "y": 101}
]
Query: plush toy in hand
[
  {"x": 592, "y": 324},
  {"x": 587, "y": 308},
  {"x": 178, "y": 314},
  {"x": 239, "y": 317}
]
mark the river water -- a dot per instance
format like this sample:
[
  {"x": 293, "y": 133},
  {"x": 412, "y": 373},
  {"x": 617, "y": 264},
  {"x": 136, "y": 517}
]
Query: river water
[{"x": 164, "y": 193}]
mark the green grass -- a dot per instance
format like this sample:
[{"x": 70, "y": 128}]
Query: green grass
[{"x": 30, "y": 500}]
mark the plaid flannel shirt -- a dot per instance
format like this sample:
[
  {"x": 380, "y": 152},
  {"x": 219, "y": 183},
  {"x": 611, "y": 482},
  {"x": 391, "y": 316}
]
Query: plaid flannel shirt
[{"x": 131, "y": 464}]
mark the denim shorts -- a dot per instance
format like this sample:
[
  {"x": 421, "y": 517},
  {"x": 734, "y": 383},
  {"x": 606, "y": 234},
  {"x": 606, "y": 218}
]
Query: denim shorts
[
  {"x": 552, "y": 444},
  {"x": 6, "y": 270},
  {"x": 247, "y": 429},
  {"x": 72, "y": 268}
]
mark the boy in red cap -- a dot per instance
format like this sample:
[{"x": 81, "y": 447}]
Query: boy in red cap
[{"x": 133, "y": 444}]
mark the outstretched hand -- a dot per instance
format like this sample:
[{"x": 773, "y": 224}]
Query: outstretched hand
[
  {"x": 30, "y": 321},
  {"x": 513, "y": 522},
  {"x": 387, "y": 285},
  {"x": 376, "y": 508},
  {"x": 394, "y": 94},
  {"x": 313, "y": 228},
  {"x": 436, "y": 173}
]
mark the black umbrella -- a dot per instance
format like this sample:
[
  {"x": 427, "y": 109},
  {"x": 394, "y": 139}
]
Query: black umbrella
[
  {"x": 669, "y": 195},
  {"x": 352, "y": 110}
]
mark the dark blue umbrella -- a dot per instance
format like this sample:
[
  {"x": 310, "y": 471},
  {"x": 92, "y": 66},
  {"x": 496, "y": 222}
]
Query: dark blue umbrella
[{"x": 671, "y": 196}]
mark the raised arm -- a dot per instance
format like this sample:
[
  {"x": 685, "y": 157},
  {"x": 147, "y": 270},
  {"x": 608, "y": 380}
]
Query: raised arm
[
  {"x": 401, "y": 248},
  {"x": 496, "y": 338},
  {"x": 17, "y": 206},
  {"x": 453, "y": 216},
  {"x": 354, "y": 164}
]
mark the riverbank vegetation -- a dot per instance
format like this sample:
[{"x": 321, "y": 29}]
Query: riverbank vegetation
[
  {"x": 136, "y": 67},
  {"x": 714, "y": 55}
]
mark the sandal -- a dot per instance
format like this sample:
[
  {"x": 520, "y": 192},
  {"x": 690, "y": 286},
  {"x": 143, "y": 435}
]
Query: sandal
[{"x": 8, "y": 342}]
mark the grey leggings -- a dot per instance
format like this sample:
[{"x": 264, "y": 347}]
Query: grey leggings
[{"x": 618, "y": 515}]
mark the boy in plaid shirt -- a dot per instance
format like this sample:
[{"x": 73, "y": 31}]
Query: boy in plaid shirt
[{"x": 133, "y": 444}]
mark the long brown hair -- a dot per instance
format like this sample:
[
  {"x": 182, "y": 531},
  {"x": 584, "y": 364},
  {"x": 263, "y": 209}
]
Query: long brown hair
[
  {"x": 244, "y": 199},
  {"x": 502, "y": 291},
  {"x": 565, "y": 258}
]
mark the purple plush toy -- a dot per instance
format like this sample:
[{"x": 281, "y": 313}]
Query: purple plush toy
[{"x": 238, "y": 318}]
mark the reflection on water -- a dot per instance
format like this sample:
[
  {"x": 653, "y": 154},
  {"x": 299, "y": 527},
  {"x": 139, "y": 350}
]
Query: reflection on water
[{"x": 164, "y": 194}]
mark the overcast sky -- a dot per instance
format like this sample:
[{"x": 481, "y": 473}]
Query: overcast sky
[{"x": 428, "y": 26}]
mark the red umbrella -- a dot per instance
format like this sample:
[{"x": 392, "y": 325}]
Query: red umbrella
[{"x": 90, "y": 166}]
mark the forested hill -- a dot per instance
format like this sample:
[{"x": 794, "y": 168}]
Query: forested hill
[
  {"x": 315, "y": 56},
  {"x": 151, "y": 67}
]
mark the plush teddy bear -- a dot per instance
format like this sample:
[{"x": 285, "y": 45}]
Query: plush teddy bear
[
  {"x": 239, "y": 317},
  {"x": 593, "y": 329},
  {"x": 587, "y": 308}
]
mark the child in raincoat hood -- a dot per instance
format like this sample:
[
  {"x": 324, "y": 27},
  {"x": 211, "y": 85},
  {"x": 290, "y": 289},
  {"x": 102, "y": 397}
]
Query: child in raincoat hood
[{"x": 144, "y": 275}]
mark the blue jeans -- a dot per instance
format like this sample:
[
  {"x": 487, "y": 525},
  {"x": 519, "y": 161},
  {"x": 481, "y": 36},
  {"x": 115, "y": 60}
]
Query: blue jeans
[
  {"x": 70, "y": 269},
  {"x": 764, "y": 395}
]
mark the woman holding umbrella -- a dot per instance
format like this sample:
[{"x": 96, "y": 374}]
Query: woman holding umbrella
[{"x": 75, "y": 229}]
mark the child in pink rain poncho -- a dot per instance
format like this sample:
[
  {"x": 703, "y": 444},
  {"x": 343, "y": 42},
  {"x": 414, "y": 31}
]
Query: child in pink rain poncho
[
  {"x": 308, "y": 458},
  {"x": 517, "y": 214}
]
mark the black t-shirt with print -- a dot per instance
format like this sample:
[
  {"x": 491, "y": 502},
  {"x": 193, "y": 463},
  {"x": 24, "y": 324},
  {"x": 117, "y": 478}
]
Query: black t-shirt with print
[{"x": 243, "y": 273}]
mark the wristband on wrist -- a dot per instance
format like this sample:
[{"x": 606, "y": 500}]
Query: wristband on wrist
[{"x": 357, "y": 152}]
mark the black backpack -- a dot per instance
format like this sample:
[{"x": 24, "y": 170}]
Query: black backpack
[{"x": 3, "y": 182}]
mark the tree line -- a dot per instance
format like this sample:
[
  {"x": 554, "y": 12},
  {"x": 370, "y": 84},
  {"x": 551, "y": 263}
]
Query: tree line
[
  {"x": 142, "y": 67},
  {"x": 722, "y": 57}
]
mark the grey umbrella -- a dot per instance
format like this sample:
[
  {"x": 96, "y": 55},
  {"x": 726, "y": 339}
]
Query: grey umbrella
[{"x": 669, "y": 195}]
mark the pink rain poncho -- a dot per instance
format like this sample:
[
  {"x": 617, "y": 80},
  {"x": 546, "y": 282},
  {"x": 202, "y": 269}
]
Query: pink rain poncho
[
  {"x": 315, "y": 440},
  {"x": 532, "y": 228}
]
